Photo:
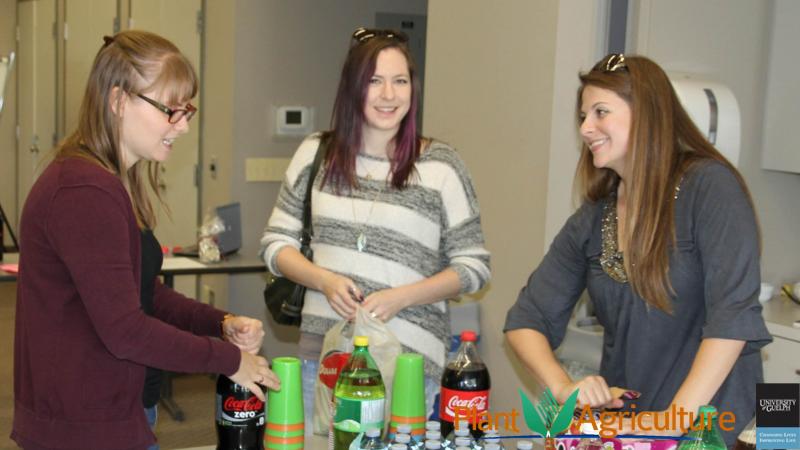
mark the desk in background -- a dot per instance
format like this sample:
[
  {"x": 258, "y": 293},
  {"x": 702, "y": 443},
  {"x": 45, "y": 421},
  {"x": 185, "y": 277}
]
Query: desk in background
[{"x": 8, "y": 258}]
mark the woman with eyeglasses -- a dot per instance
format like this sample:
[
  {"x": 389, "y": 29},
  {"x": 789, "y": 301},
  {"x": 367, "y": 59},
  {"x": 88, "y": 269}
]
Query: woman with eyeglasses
[
  {"x": 92, "y": 318},
  {"x": 667, "y": 244},
  {"x": 395, "y": 216}
]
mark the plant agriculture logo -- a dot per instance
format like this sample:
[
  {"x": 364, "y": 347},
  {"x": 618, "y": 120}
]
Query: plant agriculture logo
[{"x": 550, "y": 420}]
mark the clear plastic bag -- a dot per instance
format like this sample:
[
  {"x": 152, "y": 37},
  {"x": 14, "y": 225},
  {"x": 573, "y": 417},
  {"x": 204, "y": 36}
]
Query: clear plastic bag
[
  {"x": 207, "y": 247},
  {"x": 384, "y": 347}
]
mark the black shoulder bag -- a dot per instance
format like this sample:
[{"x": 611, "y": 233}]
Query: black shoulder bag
[{"x": 284, "y": 297}]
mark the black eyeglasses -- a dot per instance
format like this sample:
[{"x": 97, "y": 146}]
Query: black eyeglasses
[
  {"x": 175, "y": 115},
  {"x": 362, "y": 34},
  {"x": 612, "y": 63}
]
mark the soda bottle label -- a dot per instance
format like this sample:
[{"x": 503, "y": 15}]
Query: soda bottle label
[
  {"x": 452, "y": 399},
  {"x": 331, "y": 366},
  {"x": 354, "y": 416},
  {"x": 239, "y": 412}
]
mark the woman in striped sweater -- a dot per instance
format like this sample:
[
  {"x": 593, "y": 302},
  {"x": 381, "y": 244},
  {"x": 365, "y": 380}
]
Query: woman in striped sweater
[{"x": 395, "y": 215}]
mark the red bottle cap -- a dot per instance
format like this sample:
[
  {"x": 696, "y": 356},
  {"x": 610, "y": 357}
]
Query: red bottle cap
[{"x": 468, "y": 335}]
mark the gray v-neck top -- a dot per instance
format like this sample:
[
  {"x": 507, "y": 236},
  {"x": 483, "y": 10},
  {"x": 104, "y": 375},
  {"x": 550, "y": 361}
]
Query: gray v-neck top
[{"x": 714, "y": 270}]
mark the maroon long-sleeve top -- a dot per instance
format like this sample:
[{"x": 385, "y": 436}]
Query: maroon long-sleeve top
[{"x": 82, "y": 340}]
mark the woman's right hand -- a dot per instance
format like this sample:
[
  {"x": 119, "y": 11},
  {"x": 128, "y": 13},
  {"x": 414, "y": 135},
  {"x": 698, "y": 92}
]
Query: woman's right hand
[
  {"x": 255, "y": 369},
  {"x": 342, "y": 293},
  {"x": 594, "y": 392}
]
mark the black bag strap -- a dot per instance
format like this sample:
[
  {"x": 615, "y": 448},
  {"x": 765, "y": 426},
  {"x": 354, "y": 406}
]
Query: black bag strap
[{"x": 308, "y": 230}]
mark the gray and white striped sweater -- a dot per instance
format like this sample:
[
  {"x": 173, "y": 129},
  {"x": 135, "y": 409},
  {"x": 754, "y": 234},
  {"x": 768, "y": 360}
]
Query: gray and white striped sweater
[{"x": 411, "y": 234}]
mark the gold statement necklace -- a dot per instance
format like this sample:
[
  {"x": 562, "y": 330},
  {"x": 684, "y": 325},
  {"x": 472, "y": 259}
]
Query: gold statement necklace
[
  {"x": 361, "y": 235},
  {"x": 611, "y": 259}
]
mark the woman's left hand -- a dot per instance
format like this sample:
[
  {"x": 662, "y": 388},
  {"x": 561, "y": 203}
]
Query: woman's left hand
[
  {"x": 385, "y": 304},
  {"x": 244, "y": 332}
]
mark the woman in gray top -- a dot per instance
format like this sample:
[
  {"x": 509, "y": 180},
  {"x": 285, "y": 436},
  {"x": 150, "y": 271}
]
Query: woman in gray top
[{"x": 680, "y": 313}]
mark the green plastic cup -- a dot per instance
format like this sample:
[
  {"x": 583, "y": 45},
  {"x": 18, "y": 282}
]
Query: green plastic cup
[
  {"x": 285, "y": 428},
  {"x": 408, "y": 394}
]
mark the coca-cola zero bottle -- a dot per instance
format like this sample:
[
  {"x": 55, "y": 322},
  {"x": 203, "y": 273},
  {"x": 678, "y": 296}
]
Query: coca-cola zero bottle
[
  {"x": 240, "y": 417},
  {"x": 465, "y": 385}
]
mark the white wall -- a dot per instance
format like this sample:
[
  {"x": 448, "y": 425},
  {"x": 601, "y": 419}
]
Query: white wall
[{"x": 728, "y": 41}]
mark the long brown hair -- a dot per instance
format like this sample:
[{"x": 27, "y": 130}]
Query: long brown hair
[
  {"x": 348, "y": 111},
  {"x": 131, "y": 61},
  {"x": 664, "y": 145}
]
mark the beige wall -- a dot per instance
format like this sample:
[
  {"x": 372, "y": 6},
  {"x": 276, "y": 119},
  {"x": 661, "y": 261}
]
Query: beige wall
[
  {"x": 489, "y": 92},
  {"x": 728, "y": 41},
  {"x": 8, "y": 143}
]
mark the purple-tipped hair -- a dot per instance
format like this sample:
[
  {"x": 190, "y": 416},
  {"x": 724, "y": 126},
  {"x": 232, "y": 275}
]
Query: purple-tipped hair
[{"x": 348, "y": 117}]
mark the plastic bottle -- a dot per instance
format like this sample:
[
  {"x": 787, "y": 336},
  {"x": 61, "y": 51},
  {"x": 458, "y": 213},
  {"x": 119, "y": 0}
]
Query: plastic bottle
[
  {"x": 433, "y": 435},
  {"x": 706, "y": 431},
  {"x": 465, "y": 384},
  {"x": 402, "y": 438},
  {"x": 433, "y": 445},
  {"x": 464, "y": 441},
  {"x": 240, "y": 417},
  {"x": 372, "y": 440},
  {"x": 491, "y": 437},
  {"x": 524, "y": 445},
  {"x": 462, "y": 430},
  {"x": 359, "y": 397},
  {"x": 405, "y": 428}
]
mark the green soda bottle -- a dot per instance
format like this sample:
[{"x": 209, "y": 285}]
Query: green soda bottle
[
  {"x": 706, "y": 430},
  {"x": 359, "y": 397}
]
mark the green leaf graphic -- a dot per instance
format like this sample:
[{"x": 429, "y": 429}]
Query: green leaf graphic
[
  {"x": 532, "y": 419},
  {"x": 564, "y": 417}
]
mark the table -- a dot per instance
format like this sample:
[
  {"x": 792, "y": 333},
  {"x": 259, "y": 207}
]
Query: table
[
  {"x": 174, "y": 266},
  {"x": 11, "y": 258}
]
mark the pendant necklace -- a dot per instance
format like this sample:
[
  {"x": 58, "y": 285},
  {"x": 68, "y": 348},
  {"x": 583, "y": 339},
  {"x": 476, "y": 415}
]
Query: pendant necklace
[{"x": 361, "y": 236}]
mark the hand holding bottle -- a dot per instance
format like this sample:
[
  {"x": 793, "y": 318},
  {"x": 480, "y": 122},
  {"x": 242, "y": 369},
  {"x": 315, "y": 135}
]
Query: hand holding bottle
[{"x": 254, "y": 370}]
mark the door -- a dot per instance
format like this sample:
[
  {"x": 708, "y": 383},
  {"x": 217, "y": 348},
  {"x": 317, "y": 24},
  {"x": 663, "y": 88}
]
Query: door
[
  {"x": 86, "y": 22},
  {"x": 36, "y": 86},
  {"x": 177, "y": 20}
]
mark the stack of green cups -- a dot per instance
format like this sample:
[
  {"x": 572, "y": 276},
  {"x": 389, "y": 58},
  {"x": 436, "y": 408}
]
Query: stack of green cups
[
  {"x": 285, "y": 424},
  {"x": 408, "y": 395}
]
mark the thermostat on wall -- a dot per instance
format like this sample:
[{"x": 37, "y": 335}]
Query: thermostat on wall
[{"x": 294, "y": 120}]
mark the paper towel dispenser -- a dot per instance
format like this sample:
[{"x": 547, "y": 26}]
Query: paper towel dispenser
[{"x": 715, "y": 111}]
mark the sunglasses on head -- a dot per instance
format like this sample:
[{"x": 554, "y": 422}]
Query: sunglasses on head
[
  {"x": 362, "y": 34},
  {"x": 612, "y": 63}
]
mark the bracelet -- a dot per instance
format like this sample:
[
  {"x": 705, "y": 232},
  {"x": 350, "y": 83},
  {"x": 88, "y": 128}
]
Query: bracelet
[{"x": 222, "y": 324}]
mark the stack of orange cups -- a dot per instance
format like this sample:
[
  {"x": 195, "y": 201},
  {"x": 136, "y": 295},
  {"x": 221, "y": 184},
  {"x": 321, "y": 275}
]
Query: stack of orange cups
[
  {"x": 285, "y": 426},
  {"x": 408, "y": 395}
]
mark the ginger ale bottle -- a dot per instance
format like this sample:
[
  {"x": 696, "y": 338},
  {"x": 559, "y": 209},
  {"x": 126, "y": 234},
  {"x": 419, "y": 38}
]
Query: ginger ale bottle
[
  {"x": 359, "y": 397},
  {"x": 705, "y": 431}
]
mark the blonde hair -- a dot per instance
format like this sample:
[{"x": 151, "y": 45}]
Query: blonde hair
[
  {"x": 131, "y": 61},
  {"x": 664, "y": 145}
]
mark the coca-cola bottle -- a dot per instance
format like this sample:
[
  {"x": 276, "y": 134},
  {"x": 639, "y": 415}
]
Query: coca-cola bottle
[
  {"x": 466, "y": 385},
  {"x": 240, "y": 417}
]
